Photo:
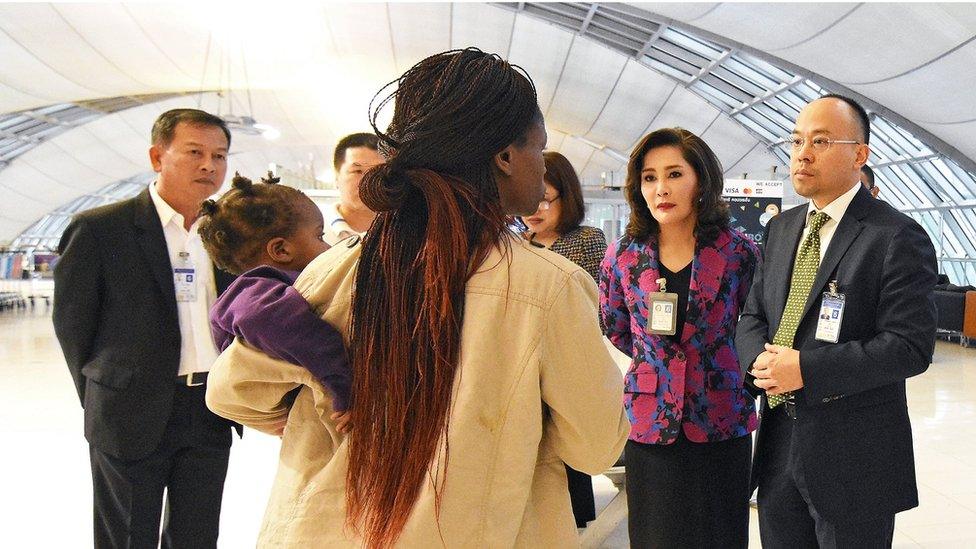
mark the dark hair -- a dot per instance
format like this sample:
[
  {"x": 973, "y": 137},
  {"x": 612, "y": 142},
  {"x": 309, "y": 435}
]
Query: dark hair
[
  {"x": 165, "y": 126},
  {"x": 561, "y": 175},
  {"x": 711, "y": 209},
  {"x": 862, "y": 115},
  {"x": 235, "y": 228},
  {"x": 367, "y": 140},
  {"x": 439, "y": 215},
  {"x": 868, "y": 174}
]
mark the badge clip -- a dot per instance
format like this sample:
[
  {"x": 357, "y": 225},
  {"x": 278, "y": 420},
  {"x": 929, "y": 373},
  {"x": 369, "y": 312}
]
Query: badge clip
[
  {"x": 662, "y": 310},
  {"x": 831, "y": 314}
]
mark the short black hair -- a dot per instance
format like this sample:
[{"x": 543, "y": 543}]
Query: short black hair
[
  {"x": 368, "y": 140},
  {"x": 867, "y": 174},
  {"x": 165, "y": 126},
  {"x": 862, "y": 115}
]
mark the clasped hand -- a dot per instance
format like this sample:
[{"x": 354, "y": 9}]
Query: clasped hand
[{"x": 777, "y": 370}]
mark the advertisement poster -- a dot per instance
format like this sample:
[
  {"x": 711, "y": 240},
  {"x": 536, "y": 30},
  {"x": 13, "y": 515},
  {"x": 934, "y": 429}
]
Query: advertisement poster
[{"x": 752, "y": 203}]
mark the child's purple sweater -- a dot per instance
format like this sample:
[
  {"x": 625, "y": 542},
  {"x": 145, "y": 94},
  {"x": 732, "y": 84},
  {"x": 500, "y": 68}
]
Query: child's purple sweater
[{"x": 263, "y": 308}]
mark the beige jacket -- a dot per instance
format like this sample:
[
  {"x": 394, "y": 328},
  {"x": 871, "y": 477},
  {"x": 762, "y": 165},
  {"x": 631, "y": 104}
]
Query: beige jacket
[{"x": 536, "y": 387}]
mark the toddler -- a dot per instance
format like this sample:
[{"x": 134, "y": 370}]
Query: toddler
[{"x": 266, "y": 234}]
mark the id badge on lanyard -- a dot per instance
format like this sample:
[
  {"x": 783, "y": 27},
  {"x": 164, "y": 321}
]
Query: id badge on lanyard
[
  {"x": 662, "y": 308},
  {"x": 184, "y": 278},
  {"x": 831, "y": 315}
]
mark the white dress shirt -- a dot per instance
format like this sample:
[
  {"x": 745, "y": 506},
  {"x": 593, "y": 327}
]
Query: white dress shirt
[
  {"x": 336, "y": 228},
  {"x": 835, "y": 210},
  {"x": 197, "y": 349}
]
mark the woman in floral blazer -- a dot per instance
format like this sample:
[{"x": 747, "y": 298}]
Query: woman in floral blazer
[{"x": 689, "y": 451}]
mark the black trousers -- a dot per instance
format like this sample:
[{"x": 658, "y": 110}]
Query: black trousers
[
  {"x": 787, "y": 519},
  {"x": 581, "y": 496},
  {"x": 190, "y": 464},
  {"x": 688, "y": 494}
]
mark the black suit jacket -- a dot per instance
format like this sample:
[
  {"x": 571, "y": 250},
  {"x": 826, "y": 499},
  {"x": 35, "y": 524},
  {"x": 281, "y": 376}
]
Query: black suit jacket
[
  {"x": 854, "y": 439},
  {"x": 116, "y": 319}
]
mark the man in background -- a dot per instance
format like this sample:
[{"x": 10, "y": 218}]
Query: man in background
[
  {"x": 354, "y": 155},
  {"x": 867, "y": 179},
  {"x": 132, "y": 293}
]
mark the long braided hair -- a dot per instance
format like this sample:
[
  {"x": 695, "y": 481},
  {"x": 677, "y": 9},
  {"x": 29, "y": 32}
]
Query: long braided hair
[{"x": 439, "y": 215}]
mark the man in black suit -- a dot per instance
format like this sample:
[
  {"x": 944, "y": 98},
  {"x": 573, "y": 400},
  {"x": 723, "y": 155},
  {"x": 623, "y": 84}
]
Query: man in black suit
[
  {"x": 132, "y": 293},
  {"x": 867, "y": 179},
  {"x": 834, "y": 459}
]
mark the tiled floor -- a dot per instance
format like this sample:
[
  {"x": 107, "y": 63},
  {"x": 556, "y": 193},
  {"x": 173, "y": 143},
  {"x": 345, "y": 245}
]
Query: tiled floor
[{"x": 45, "y": 485}]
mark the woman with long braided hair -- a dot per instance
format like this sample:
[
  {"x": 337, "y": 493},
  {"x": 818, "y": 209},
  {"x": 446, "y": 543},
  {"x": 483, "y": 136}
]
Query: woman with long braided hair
[{"x": 478, "y": 363}]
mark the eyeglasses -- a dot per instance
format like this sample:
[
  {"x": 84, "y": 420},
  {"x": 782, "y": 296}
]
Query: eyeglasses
[
  {"x": 819, "y": 144},
  {"x": 546, "y": 204}
]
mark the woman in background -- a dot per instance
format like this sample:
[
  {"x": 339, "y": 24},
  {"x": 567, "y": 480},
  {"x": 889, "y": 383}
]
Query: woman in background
[
  {"x": 671, "y": 291},
  {"x": 556, "y": 225}
]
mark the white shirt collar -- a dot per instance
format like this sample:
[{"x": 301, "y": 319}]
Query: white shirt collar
[
  {"x": 334, "y": 222},
  {"x": 165, "y": 211},
  {"x": 838, "y": 207}
]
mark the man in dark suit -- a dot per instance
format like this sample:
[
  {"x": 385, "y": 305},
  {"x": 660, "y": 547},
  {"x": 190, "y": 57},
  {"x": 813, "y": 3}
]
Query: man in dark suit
[
  {"x": 132, "y": 292},
  {"x": 834, "y": 459},
  {"x": 867, "y": 179}
]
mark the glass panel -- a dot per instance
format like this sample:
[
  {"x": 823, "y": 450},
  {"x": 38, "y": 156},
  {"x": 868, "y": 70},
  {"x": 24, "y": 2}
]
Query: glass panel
[
  {"x": 702, "y": 48},
  {"x": 894, "y": 190},
  {"x": 948, "y": 191},
  {"x": 746, "y": 119},
  {"x": 683, "y": 75},
  {"x": 727, "y": 101},
  {"x": 916, "y": 195},
  {"x": 740, "y": 95},
  {"x": 731, "y": 74},
  {"x": 681, "y": 55},
  {"x": 963, "y": 180},
  {"x": 762, "y": 80},
  {"x": 774, "y": 73},
  {"x": 785, "y": 123},
  {"x": 614, "y": 40}
]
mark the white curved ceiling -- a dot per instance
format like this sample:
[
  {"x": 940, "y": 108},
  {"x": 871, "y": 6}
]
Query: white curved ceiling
[
  {"x": 312, "y": 69},
  {"x": 914, "y": 59}
]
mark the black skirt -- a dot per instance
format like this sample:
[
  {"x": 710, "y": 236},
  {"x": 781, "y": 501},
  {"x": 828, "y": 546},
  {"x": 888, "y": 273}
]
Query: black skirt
[{"x": 688, "y": 494}]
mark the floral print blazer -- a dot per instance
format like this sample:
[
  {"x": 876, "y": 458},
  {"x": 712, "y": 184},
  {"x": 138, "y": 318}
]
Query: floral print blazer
[{"x": 693, "y": 383}]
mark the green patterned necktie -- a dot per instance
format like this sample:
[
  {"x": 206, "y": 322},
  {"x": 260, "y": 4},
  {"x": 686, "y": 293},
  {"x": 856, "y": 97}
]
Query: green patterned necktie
[{"x": 805, "y": 270}]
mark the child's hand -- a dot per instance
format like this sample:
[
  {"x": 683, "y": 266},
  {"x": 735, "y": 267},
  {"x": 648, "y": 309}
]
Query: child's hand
[{"x": 343, "y": 421}]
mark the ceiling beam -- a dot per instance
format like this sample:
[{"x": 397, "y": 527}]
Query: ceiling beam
[
  {"x": 22, "y": 138},
  {"x": 797, "y": 80},
  {"x": 909, "y": 160},
  {"x": 589, "y": 18},
  {"x": 46, "y": 119},
  {"x": 650, "y": 41},
  {"x": 710, "y": 67},
  {"x": 941, "y": 207}
]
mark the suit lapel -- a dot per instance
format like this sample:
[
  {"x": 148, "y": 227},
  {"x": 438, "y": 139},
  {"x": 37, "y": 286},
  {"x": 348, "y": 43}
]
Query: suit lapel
[
  {"x": 848, "y": 229},
  {"x": 707, "y": 270},
  {"x": 153, "y": 244}
]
